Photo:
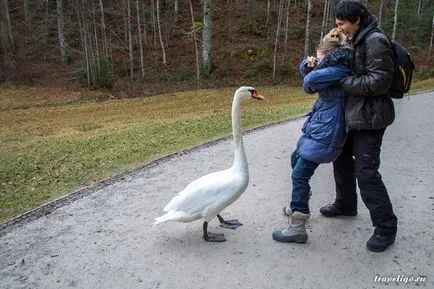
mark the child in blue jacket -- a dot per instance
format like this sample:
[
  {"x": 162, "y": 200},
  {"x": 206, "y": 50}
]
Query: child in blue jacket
[{"x": 324, "y": 131}]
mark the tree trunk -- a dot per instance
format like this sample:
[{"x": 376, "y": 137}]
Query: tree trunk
[
  {"x": 5, "y": 45},
  {"x": 176, "y": 6},
  {"x": 330, "y": 21},
  {"x": 61, "y": 32},
  {"x": 276, "y": 41},
  {"x": 26, "y": 8},
  {"x": 125, "y": 16},
  {"x": 46, "y": 21},
  {"x": 26, "y": 13},
  {"x": 97, "y": 56},
  {"x": 419, "y": 7},
  {"x": 86, "y": 53},
  {"x": 130, "y": 40},
  {"x": 250, "y": 13},
  {"x": 207, "y": 35},
  {"x": 6, "y": 33},
  {"x": 432, "y": 35},
  {"x": 145, "y": 38},
  {"x": 395, "y": 19},
  {"x": 268, "y": 12},
  {"x": 196, "y": 50},
  {"x": 230, "y": 34},
  {"x": 324, "y": 19},
  {"x": 142, "y": 64},
  {"x": 163, "y": 50},
  {"x": 7, "y": 20},
  {"x": 154, "y": 24},
  {"x": 285, "y": 44},
  {"x": 103, "y": 30},
  {"x": 79, "y": 8},
  {"x": 307, "y": 33},
  {"x": 381, "y": 11}
]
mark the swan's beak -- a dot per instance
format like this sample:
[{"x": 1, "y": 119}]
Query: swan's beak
[{"x": 256, "y": 95}]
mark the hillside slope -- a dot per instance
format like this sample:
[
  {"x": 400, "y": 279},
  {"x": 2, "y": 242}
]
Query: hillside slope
[{"x": 242, "y": 46}]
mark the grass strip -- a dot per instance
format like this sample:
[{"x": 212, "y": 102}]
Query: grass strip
[{"x": 46, "y": 170}]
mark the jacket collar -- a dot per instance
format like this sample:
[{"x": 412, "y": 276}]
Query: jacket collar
[
  {"x": 338, "y": 56},
  {"x": 361, "y": 34}
]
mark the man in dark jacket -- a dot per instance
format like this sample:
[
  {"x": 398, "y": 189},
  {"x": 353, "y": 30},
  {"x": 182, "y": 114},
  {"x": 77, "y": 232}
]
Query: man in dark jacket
[{"x": 368, "y": 111}]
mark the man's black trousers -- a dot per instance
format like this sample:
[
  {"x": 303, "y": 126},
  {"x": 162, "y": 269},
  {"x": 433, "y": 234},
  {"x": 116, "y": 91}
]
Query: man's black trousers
[{"x": 360, "y": 159}]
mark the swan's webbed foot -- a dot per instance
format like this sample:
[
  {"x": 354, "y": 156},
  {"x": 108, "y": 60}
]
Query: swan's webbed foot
[
  {"x": 212, "y": 237},
  {"x": 229, "y": 224}
]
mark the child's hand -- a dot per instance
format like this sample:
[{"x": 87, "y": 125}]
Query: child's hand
[{"x": 311, "y": 61}]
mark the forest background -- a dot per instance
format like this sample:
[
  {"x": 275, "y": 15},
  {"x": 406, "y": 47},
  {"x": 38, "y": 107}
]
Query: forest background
[
  {"x": 138, "y": 47},
  {"x": 94, "y": 88}
]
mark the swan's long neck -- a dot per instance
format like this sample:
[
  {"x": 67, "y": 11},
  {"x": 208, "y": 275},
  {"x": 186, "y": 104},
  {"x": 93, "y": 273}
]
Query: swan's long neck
[{"x": 240, "y": 159}]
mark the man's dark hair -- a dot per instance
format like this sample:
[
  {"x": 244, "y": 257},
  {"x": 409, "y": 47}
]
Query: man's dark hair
[{"x": 352, "y": 10}]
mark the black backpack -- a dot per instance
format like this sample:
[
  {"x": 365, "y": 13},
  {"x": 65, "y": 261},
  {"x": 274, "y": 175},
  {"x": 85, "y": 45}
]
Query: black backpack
[{"x": 403, "y": 74}]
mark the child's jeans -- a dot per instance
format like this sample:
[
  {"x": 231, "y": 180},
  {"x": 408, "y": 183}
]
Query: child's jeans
[{"x": 302, "y": 171}]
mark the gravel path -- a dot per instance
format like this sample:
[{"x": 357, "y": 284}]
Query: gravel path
[{"x": 105, "y": 239}]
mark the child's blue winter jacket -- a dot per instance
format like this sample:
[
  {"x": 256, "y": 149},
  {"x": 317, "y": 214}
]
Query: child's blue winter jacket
[{"x": 324, "y": 132}]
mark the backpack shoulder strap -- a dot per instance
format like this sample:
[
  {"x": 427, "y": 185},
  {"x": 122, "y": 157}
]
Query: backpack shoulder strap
[{"x": 381, "y": 32}]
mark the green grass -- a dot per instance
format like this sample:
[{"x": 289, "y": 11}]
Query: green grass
[{"x": 51, "y": 146}]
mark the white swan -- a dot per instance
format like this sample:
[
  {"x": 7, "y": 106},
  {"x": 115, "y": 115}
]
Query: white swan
[{"x": 207, "y": 196}]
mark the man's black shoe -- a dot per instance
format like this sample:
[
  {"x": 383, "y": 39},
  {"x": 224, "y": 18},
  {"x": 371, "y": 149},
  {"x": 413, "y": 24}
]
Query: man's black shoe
[
  {"x": 331, "y": 210},
  {"x": 379, "y": 243}
]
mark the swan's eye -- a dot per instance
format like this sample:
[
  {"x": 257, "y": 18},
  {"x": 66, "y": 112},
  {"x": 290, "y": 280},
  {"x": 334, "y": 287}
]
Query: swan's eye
[{"x": 252, "y": 91}]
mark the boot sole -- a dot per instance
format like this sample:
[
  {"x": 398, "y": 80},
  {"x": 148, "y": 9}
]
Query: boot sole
[
  {"x": 378, "y": 250},
  {"x": 331, "y": 215},
  {"x": 290, "y": 239}
]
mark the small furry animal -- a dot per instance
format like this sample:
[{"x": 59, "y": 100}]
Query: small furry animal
[{"x": 335, "y": 35}]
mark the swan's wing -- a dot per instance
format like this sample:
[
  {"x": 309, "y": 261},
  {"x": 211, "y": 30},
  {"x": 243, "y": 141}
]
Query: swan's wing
[{"x": 204, "y": 191}]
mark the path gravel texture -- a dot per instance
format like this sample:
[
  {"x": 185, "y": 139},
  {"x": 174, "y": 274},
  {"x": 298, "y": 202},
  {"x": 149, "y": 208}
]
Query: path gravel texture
[{"x": 106, "y": 240}]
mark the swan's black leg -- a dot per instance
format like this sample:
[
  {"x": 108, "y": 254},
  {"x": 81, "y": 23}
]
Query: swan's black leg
[
  {"x": 230, "y": 224},
  {"x": 212, "y": 237}
]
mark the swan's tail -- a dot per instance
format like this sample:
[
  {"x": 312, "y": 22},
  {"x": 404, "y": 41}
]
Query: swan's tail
[{"x": 176, "y": 216}]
